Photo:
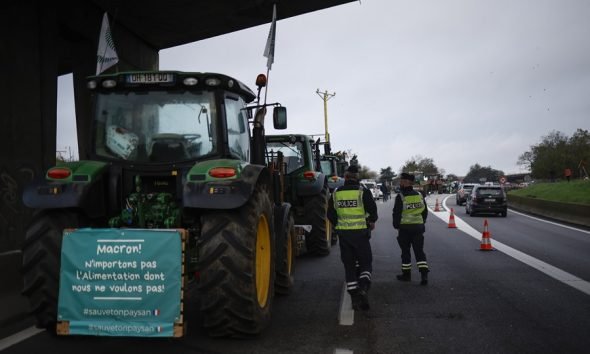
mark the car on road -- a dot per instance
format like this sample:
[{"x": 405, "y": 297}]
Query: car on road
[
  {"x": 463, "y": 191},
  {"x": 371, "y": 185},
  {"x": 487, "y": 199}
]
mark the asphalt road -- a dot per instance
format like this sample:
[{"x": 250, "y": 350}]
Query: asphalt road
[{"x": 528, "y": 296}]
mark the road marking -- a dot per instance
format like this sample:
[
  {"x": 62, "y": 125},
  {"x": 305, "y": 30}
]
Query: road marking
[
  {"x": 554, "y": 272},
  {"x": 342, "y": 351},
  {"x": 551, "y": 222},
  {"x": 18, "y": 337},
  {"x": 346, "y": 314}
]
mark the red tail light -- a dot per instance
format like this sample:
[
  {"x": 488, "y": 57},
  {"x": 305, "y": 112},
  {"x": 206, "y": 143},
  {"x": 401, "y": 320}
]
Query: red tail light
[
  {"x": 310, "y": 175},
  {"x": 222, "y": 172},
  {"x": 59, "y": 173}
]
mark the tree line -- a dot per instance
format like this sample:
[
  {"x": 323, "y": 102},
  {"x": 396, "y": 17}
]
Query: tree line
[
  {"x": 546, "y": 160},
  {"x": 555, "y": 153}
]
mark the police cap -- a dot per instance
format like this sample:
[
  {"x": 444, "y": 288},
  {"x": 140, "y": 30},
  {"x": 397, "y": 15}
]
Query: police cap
[{"x": 408, "y": 177}]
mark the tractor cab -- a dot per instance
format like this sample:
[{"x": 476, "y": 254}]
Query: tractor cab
[{"x": 169, "y": 117}]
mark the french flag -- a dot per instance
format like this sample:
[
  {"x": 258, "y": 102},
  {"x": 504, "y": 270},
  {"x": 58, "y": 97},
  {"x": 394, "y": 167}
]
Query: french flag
[
  {"x": 159, "y": 329},
  {"x": 157, "y": 312}
]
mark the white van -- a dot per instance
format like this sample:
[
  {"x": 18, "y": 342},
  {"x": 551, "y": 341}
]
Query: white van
[{"x": 371, "y": 185}]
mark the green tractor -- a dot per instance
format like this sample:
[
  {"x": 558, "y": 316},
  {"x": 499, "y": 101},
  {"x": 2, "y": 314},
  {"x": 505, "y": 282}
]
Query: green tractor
[
  {"x": 174, "y": 150},
  {"x": 334, "y": 166},
  {"x": 305, "y": 188}
]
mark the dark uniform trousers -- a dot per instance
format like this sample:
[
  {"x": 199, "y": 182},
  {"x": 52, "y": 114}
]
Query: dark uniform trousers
[
  {"x": 411, "y": 239},
  {"x": 355, "y": 246}
]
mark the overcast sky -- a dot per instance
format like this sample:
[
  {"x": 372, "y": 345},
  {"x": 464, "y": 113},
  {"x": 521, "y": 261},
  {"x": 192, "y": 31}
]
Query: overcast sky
[{"x": 458, "y": 81}]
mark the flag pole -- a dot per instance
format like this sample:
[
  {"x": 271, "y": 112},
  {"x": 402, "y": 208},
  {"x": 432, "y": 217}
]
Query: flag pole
[
  {"x": 269, "y": 50},
  {"x": 267, "y": 83}
]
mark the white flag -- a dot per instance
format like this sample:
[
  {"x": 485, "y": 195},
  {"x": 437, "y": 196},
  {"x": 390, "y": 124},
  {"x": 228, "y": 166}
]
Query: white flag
[
  {"x": 269, "y": 50},
  {"x": 106, "y": 55}
]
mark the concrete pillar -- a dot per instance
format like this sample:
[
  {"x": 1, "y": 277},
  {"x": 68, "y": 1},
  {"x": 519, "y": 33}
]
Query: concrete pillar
[
  {"x": 28, "y": 99},
  {"x": 32, "y": 51}
]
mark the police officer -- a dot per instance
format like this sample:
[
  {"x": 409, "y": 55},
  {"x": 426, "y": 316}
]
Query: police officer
[
  {"x": 353, "y": 211},
  {"x": 409, "y": 216}
]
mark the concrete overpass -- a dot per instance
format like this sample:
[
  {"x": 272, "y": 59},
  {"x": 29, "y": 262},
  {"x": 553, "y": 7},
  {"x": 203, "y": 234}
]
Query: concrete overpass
[{"x": 41, "y": 40}]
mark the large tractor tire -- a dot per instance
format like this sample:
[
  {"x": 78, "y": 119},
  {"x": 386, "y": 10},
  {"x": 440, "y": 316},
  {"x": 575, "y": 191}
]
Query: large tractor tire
[
  {"x": 286, "y": 241},
  {"x": 236, "y": 266},
  {"x": 319, "y": 240},
  {"x": 41, "y": 262}
]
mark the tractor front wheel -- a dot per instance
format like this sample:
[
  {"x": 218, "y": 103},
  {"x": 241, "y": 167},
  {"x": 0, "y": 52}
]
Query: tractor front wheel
[
  {"x": 236, "y": 266},
  {"x": 286, "y": 251},
  {"x": 319, "y": 240},
  {"x": 41, "y": 262}
]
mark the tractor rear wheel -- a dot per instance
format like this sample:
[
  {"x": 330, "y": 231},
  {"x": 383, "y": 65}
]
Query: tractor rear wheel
[
  {"x": 236, "y": 266},
  {"x": 286, "y": 248},
  {"x": 41, "y": 262},
  {"x": 319, "y": 240}
]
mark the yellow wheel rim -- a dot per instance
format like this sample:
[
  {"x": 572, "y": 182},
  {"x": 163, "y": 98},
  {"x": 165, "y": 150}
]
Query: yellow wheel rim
[{"x": 263, "y": 256}]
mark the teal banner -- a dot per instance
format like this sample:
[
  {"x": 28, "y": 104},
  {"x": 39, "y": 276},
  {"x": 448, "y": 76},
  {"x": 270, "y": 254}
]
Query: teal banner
[{"x": 121, "y": 282}]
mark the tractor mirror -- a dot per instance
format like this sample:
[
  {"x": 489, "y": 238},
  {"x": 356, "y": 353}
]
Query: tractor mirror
[{"x": 279, "y": 117}]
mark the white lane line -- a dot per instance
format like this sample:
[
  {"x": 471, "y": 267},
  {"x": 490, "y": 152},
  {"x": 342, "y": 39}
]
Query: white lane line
[
  {"x": 346, "y": 314},
  {"x": 551, "y": 222},
  {"x": 342, "y": 351},
  {"x": 554, "y": 272},
  {"x": 18, "y": 337}
]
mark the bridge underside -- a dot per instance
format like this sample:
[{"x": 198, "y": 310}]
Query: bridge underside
[{"x": 44, "y": 39}]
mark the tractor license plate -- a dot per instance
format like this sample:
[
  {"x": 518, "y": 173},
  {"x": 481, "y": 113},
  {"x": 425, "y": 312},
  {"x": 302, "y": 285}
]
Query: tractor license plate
[{"x": 150, "y": 78}]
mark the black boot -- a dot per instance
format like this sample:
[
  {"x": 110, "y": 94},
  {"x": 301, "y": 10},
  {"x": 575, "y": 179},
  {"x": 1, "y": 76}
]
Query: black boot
[
  {"x": 405, "y": 276},
  {"x": 357, "y": 299},
  {"x": 424, "y": 280},
  {"x": 364, "y": 301},
  {"x": 364, "y": 292}
]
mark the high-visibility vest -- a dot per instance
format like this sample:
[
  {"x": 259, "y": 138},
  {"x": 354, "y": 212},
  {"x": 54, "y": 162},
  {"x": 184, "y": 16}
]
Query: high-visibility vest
[
  {"x": 413, "y": 206},
  {"x": 350, "y": 209}
]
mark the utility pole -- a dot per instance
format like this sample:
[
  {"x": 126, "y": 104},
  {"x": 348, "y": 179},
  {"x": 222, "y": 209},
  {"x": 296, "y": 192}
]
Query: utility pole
[{"x": 325, "y": 96}]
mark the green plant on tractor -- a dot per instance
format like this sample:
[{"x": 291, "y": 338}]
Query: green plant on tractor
[{"x": 172, "y": 150}]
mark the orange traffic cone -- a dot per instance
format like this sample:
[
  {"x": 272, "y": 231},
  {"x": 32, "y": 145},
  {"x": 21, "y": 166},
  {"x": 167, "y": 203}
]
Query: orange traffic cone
[
  {"x": 436, "y": 207},
  {"x": 452, "y": 224},
  {"x": 486, "y": 240}
]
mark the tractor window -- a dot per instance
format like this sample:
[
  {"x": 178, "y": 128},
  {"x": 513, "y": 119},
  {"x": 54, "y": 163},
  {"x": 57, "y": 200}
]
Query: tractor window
[
  {"x": 293, "y": 153},
  {"x": 327, "y": 167},
  {"x": 238, "y": 136},
  {"x": 155, "y": 126}
]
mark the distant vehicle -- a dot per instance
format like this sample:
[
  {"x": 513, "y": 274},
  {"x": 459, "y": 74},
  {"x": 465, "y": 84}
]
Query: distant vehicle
[
  {"x": 371, "y": 185},
  {"x": 487, "y": 199},
  {"x": 379, "y": 188},
  {"x": 463, "y": 191}
]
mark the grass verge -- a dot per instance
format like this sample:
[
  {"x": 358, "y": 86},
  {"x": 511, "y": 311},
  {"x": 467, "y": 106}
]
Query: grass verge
[{"x": 577, "y": 191}]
